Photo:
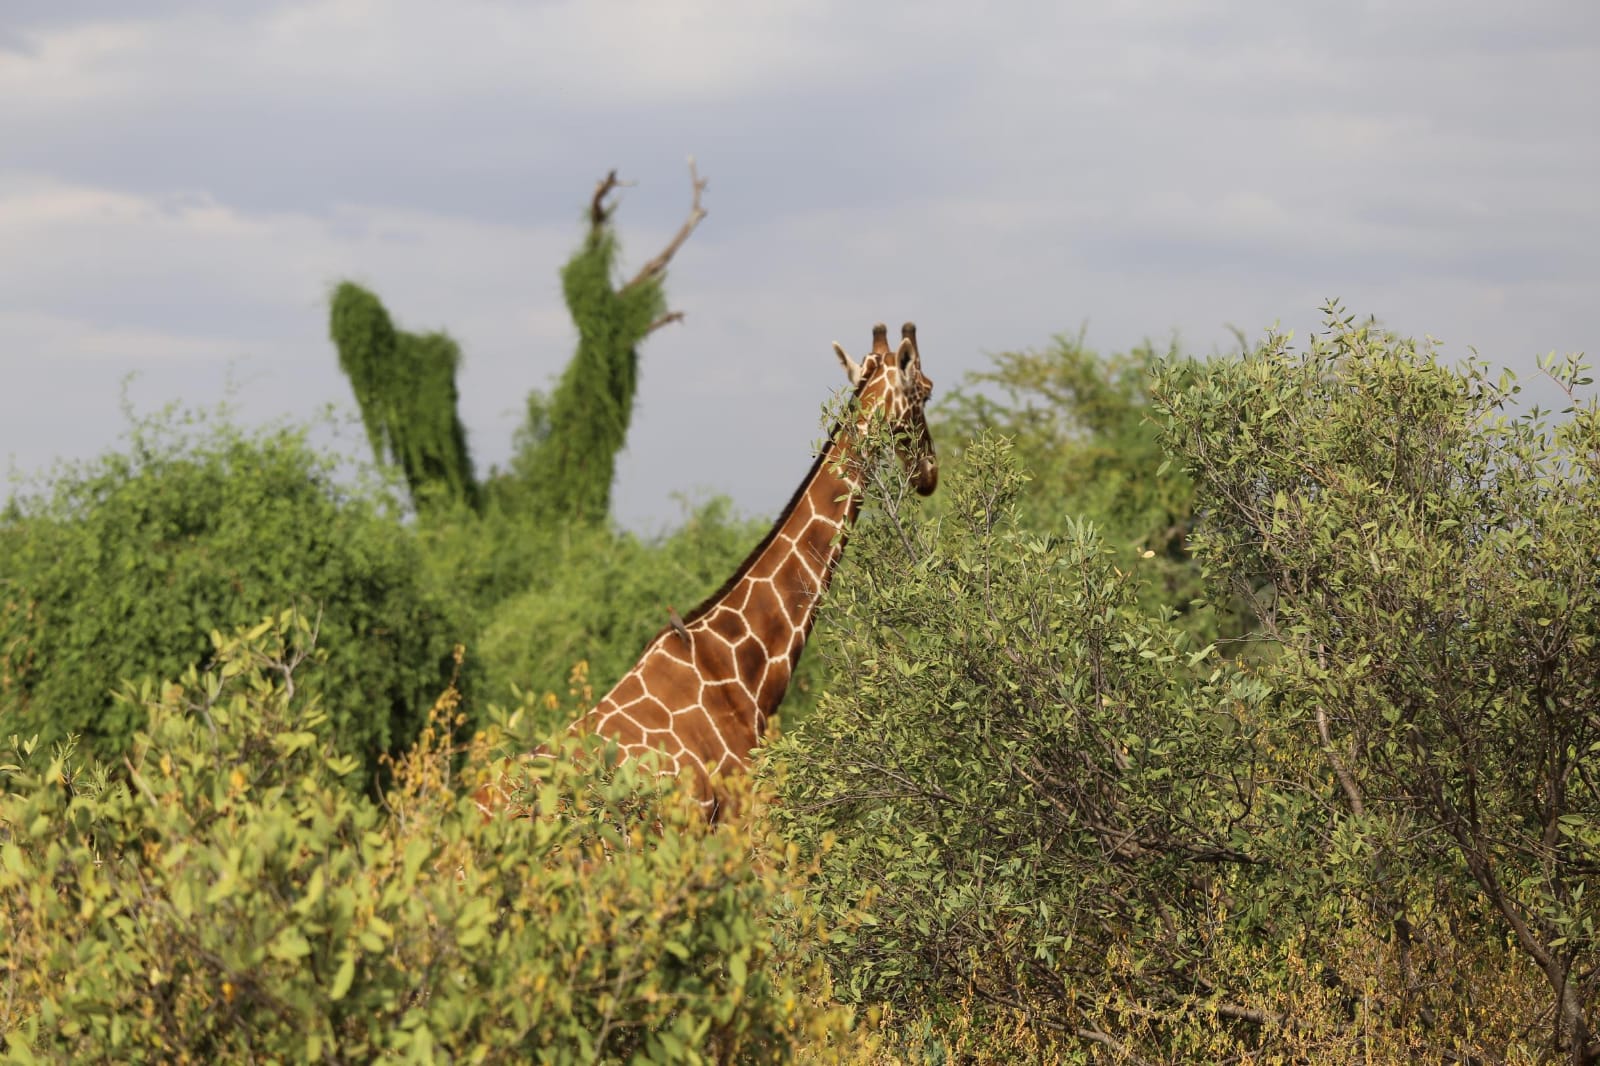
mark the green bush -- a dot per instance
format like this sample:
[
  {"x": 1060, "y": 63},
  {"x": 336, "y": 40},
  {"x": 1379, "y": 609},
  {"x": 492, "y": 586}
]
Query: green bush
[
  {"x": 1079, "y": 423},
  {"x": 1028, "y": 777},
  {"x": 1422, "y": 554},
  {"x": 228, "y": 900},
  {"x": 122, "y": 567},
  {"x": 598, "y": 596},
  {"x": 1377, "y": 839}
]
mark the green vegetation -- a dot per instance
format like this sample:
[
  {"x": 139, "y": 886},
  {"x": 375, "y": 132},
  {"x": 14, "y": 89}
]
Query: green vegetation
[
  {"x": 1079, "y": 425},
  {"x": 1425, "y": 563},
  {"x": 566, "y": 450},
  {"x": 1378, "y": 837},
  {"x": 1230, "y": 710},
  {"x": 530, "y": 561},
  {"x": 1032, "y": 781},
  {"x": 121, "y": 569},
  {"x": 226, "y": 900},
  {"x": 600, "y": 596}
]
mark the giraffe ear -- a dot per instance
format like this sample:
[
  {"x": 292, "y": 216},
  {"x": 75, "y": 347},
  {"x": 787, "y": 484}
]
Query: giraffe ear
[
  {"x": 905, "y": 353},
  {"x": 851, "y": 368}
]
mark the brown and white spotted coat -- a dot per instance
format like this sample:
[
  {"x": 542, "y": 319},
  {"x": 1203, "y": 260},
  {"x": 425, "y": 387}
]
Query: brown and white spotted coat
[{"x": 707, "y": 684}]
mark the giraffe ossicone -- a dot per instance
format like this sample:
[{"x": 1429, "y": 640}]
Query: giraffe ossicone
[{"x": 706, "y": 685}]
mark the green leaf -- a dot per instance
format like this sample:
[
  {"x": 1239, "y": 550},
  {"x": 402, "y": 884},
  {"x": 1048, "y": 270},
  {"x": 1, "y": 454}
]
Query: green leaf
[
  {"x": 343, "y": 977},
  {"x": 289, "y": 945}
]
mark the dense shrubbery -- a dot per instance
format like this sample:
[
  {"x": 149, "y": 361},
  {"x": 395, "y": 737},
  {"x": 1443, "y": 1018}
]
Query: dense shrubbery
[
  {"x": 1032, "y": 782},
  {"x": 120, "y": 568},
  {"x": 125, "y": 565},
  {"x": 1425, "y": 562},
  {"x": 1381, "y": 837},
  {"x": 226, "y": 899}
]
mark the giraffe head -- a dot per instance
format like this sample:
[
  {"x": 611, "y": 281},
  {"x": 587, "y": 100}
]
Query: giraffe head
[{"x": 890, "y": 384}]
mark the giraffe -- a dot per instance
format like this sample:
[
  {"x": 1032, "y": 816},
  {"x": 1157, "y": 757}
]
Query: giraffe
[{"x": 706, "y": 685}]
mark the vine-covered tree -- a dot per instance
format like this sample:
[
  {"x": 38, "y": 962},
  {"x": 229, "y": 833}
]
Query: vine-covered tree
[
  {"x": 405, "y": 385},
  {"x": 567, "y": 452}
]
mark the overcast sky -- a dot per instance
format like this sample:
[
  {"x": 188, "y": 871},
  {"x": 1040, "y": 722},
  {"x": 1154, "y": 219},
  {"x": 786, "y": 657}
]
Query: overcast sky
[{"x": 180, "y": 189}]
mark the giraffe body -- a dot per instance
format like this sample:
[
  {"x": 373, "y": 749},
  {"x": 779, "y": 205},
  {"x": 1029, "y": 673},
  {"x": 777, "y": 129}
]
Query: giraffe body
[{"x": 706, "y": 685}]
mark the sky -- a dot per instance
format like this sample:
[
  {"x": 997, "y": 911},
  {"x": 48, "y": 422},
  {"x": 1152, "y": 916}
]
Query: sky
[{"x": 182, "y": 183}]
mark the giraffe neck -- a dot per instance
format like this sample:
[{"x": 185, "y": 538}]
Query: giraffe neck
[
  {"x": 776, "y": 591},
  {"x": 705, "y": 686}
]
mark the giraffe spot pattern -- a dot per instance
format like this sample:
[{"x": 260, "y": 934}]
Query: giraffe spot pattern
[{"x": 704, "y": 703}]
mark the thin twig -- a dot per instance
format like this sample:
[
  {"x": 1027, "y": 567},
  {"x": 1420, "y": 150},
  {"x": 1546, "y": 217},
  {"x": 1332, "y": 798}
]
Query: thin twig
[
  {"x": 657, "y": 265},
  {"x": 599, "y": 211},
  {"x": 665, "y": 320}
]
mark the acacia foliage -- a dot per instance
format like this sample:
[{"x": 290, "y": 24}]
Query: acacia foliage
[
  {"x": 1078, "y": 423},
  {"x": 228, "y": 900},
  {"x": 1376, "y": 837},
  {"x": 121, "y": 567},
  {"x": 405, "y": 387}
]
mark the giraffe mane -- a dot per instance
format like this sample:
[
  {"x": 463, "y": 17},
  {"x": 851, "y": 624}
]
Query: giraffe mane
[{"x": 783, "y": 516}]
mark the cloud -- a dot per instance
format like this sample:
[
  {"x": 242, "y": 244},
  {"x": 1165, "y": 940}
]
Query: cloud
[
  {"x": 566, "y": 54},
  {"x": 88, "y": 347},
  {"x": 193, "y": 179}
]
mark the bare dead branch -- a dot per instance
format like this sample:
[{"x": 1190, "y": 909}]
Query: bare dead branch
[
  {"x": 1117, "y": 1047},
  {"x": 599, "y": 210},
  {"x": 656, "y": 266},
  {"x": 1248, "y": 1014},
  {"x": 665, "y": 320}
]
